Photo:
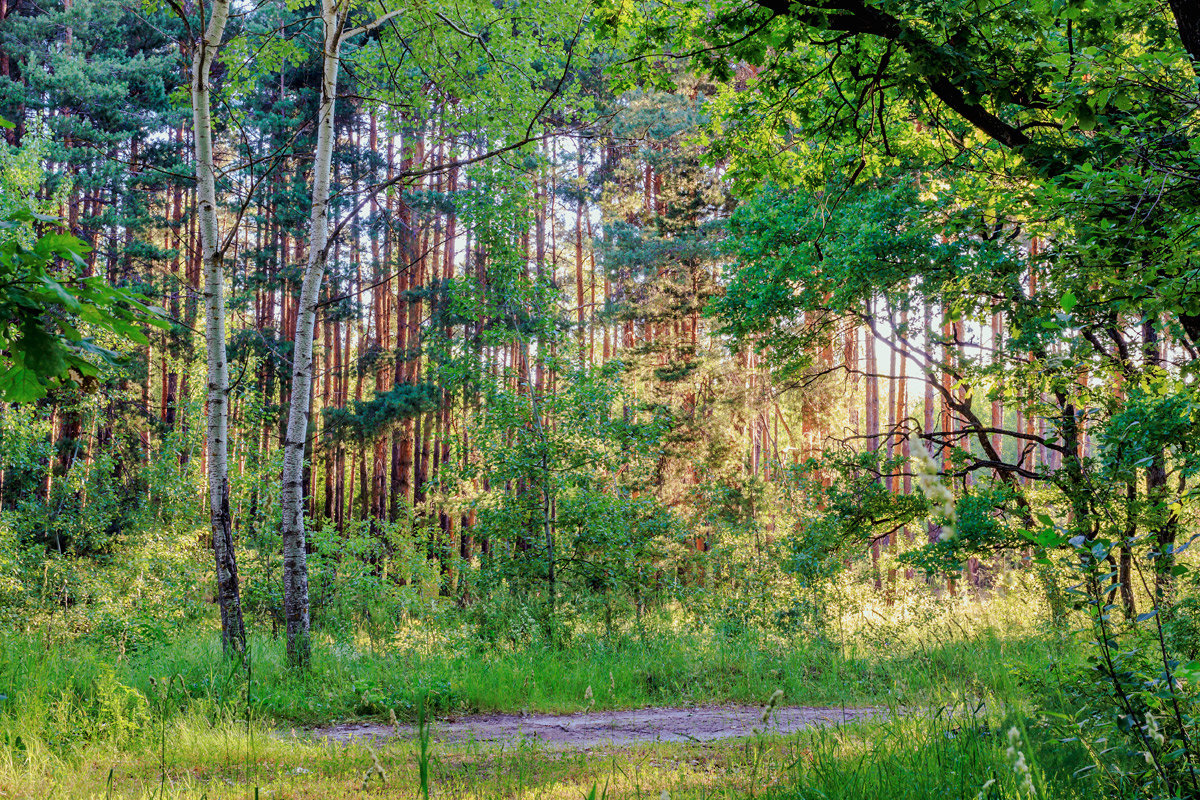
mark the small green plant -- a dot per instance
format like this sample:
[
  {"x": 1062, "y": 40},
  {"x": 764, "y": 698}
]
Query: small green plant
[
  {"x": 163, "y": 689},
  {"x": 423, "y": 752}
]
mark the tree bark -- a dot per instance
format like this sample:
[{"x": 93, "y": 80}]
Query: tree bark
[
  {"x": 1187, "y": 21},
  {"x": 233, "y": 630},
  {"x": 295, "y": 562},
  {"x": 1164, "y": 519}
]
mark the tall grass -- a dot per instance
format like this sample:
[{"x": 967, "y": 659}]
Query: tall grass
[
  {"x": 77, "y": 690},
  {"x": 178, "y": 719},
  {"x": 945, "y": 753},
  {"x": 964, "y": 753}
]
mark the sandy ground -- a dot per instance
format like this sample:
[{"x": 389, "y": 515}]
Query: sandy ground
[{"x": 611, "y": 728}]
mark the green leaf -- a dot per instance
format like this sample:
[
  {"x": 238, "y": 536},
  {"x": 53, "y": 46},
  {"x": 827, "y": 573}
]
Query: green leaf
[
  {"x": 1087, "y": 117},
  {"x": 1190, "y": 672},
  {"x": 65, "y": 298},
  {"x": 61, "y": 244},
  {"x": 1068, "y": 301},
  {"x": 20, "y": 385},
  {"x": 43, "y": 352}
]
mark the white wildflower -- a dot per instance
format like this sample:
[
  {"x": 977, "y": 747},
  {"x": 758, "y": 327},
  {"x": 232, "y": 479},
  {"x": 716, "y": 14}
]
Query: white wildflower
[
  {"x": 1152, "y": 730},
  {"x": 1021, "y": 770},
  {"x": 1014, "y": 739}
]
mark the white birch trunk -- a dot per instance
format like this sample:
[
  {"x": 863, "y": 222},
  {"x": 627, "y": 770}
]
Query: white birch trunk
[
  {"x": 295, "y": 563},
  {"x": 233, "y": 632}
]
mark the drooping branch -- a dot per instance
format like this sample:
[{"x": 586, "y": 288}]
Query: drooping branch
[{"x": 856, "y": 17}]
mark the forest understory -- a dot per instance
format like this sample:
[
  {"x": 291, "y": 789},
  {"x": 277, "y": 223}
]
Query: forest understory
[
  {"x": 894, "y": 691},
  {"x": 171, "y": 721},
  {"x": 600, "y": 399}
]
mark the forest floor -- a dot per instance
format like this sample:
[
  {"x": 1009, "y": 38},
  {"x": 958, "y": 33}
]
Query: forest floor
[
  {"x": 586, "y": 730},
  {"x": 677, "y": 713}
]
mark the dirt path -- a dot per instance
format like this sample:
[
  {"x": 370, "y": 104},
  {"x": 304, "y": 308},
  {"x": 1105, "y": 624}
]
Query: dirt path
[{"x": 616, "y": 728}]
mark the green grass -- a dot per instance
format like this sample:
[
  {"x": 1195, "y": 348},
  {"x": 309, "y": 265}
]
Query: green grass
[
  {"x": 960, "y": 756},
  {"x": 176, "y": 719},
  {"x": 460, "y": 675},
  {"x": 922, "y": 756}
]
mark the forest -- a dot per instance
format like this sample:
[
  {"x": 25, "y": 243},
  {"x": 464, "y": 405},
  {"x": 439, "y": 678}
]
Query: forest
[{"x": 571, "y": 399}]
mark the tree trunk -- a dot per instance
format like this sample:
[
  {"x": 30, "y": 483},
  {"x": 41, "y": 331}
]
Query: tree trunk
[
  {"x": 871, "y": 414},
  {"x": 1187, "y": 21},
  {"x": 295, "y": 562},
  {"x": 233, "y": 631},
  {"x": 1164, "y": 519}
]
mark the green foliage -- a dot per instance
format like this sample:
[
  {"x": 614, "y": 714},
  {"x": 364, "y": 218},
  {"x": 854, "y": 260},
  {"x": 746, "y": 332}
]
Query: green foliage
[
  {"x": 367, "y": 577},
  {"x": 22, "y": 177},
  {"x": 43, "y": 310},
  {"x": 1154, "y": 420},
  {"x": 890, "y": 162},
  {"x": 363, "y": 421},
  {"x": 956, "y": 752},
  {"x": 357, "y": 676},
  {"x": 802, "y": 265},
  {"x": 562, "y": 446}
]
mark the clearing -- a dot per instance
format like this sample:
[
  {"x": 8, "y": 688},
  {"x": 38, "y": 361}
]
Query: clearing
[{"x": 586, "y": 730}]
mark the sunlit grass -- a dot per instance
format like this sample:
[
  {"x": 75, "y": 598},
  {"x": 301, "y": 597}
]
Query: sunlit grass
[
  {"x": 462, "y": 676},
  {"x": 179, "y": 720},
  {"x": 951, "y": 752}
]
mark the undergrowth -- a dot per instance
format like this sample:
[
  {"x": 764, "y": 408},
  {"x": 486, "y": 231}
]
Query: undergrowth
[
  {"x": 88, "y": 716},
  {"x": 75, "y": 690},
  {"x": 960, "y": 750}
]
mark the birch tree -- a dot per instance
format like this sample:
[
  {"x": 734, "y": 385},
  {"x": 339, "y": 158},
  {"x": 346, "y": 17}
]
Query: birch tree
[
  {"x": 295, "y": 565},
  {"x": 513, "y": 95},
  {"x": 233, "y": 631}
]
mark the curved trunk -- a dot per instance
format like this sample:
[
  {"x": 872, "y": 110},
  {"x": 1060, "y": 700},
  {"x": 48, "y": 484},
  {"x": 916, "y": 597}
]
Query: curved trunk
[{"x": 295, "y": 563}]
